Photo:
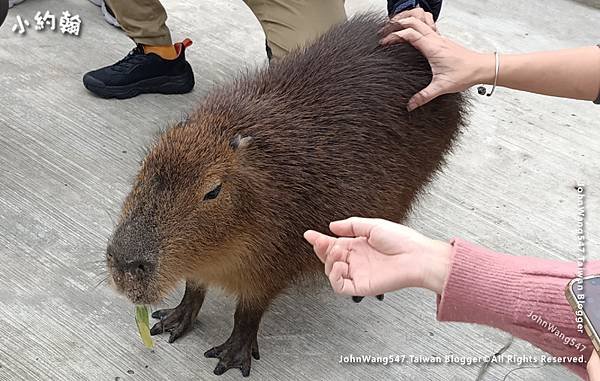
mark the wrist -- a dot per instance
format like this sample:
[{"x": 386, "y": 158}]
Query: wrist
[
  {"x": 484, "y": 68},
  {"x": 438, "y": 266}
]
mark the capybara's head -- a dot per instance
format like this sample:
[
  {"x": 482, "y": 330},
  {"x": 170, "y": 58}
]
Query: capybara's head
[{"x": 184, "y": 211}]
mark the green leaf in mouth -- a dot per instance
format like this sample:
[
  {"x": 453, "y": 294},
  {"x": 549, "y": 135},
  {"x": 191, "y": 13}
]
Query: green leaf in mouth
[{"x": 143, "y": 323}]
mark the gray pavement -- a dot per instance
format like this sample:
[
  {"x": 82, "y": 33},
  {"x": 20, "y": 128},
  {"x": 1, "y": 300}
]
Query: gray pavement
[{"x": 67, "y": 160}]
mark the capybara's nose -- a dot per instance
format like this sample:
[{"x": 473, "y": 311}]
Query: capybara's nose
[{"x": 139, "y": 269}]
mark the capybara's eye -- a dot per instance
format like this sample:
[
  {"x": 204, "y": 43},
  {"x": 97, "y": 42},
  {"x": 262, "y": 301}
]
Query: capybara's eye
[{"x": 213, "y": 193}]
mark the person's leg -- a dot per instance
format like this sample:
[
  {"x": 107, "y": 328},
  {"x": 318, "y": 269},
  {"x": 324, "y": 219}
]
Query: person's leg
[
  {"x": 289, "y": 24},
  {"x": 144, "y": 21},
  {"x": 154, "y": 66},
  {"x": 108, "y": 14}
]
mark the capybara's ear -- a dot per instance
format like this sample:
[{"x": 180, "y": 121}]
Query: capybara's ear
[{"x": 239, "y": 142}]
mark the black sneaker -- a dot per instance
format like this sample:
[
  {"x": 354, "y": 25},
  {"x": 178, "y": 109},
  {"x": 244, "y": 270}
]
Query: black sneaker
[{"x": 140, "y": 73}]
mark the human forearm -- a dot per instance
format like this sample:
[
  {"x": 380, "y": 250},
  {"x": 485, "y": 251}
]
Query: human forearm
[
  {"x": 520, "y": 295},
  {"x": 568, "y": 73}
]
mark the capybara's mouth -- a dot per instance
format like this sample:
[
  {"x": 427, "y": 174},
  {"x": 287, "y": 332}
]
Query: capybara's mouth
[
  {"x": 138, "y": 291},
  {"x": 141, "y": 295}
]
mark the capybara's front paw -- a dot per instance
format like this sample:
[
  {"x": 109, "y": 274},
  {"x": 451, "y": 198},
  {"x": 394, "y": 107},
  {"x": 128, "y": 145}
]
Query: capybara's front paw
[
  {"x": 234, "y": 354},
  {"x": 180, "y": 319},
  {"x": 176, "y": 321}
]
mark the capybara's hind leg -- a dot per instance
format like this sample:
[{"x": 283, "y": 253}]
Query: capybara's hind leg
[
  {"x": 242, "y": 345},
  {"x": 180, "y": 319}
]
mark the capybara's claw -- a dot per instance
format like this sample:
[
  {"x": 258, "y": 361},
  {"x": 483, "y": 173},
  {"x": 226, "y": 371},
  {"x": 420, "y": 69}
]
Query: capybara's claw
[
  {"x": 358, "y": 299},
  {"x": 232, "y": 355},
  {"x": 160, "y": 314}
]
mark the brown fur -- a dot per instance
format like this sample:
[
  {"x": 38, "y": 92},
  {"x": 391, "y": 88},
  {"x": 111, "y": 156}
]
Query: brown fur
[{"x": 329, "y": 138}]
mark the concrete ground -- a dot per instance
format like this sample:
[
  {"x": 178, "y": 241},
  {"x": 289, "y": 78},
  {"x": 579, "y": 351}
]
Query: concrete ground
[{"x": 67, "y": 160}]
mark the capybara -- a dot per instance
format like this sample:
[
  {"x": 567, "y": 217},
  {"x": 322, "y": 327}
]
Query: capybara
[{"x": 222, "y": 199}]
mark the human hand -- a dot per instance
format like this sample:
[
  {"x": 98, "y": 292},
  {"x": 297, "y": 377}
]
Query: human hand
[
  {"x": 593, "y": 367},
  {"x": 394, "y": 24},
  {"x": 374, "y": 256},
  {"x": 454, "y": 67}
]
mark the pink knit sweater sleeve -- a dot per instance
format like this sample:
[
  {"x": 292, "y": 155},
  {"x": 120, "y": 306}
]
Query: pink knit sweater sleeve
[{"x": 516, "y": 294}]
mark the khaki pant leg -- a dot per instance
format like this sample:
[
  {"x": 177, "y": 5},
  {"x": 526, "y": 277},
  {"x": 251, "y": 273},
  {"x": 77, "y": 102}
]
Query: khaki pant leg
[
  {"x": 142, "y": 20},
  {"x": 289, "y": 24}
]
